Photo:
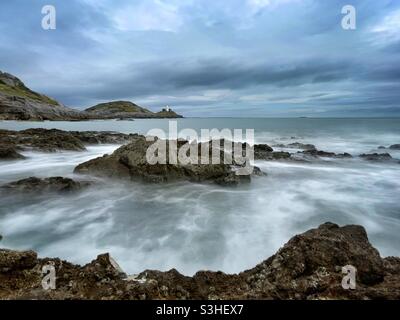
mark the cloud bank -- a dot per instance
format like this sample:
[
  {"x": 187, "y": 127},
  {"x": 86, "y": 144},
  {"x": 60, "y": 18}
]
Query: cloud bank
[{"x": 208, "y": 58}]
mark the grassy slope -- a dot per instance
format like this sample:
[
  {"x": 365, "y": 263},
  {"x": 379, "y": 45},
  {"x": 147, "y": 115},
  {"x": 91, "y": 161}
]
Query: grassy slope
[
  {"x": 24, "y": 92},
  {"x": 118, "y": 106}
]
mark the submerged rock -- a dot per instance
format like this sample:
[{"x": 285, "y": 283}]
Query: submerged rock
[
  {"x": 324, "y": 154},
  {"x": 376, "y": 156},
  {"x": 297, "y": 145},
  {"x": 52, "y": 184},
  {"x": 9, "y": 153},
  {"x": 309, "y": 266},
  {"x": 130, "y": 162},
  {"x": 395, "y": 147}
]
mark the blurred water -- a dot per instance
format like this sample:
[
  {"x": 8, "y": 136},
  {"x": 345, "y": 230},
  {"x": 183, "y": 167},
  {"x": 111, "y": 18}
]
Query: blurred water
[{"x": 193, "y": 226}]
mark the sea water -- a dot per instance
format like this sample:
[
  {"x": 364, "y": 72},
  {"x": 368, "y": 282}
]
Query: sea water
[{"x": 194, "y": 227}]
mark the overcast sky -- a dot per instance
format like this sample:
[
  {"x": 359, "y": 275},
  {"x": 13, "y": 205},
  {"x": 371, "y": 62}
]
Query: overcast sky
[{"x": 210, "y": 57}]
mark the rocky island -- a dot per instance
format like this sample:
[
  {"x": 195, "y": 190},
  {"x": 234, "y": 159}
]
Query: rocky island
[
  {"x": 18, "y": 102},
  {"x": 126, "y": 110}
]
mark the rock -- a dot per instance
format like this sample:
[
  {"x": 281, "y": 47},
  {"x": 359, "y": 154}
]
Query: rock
[
  {"x": 271, "y": 156},
  {"x": 376, "y": 157},
  {"x": 130, "y": 162},
  {"x": 53, "y": 140},
  {"x": 41, "y": 140},
  {"x": 309, "y": 266},
  {"x": 9, "y": 153},
  {"x": 11, "y": 261},
  {"x": 37, "y": 185},
  {"x": 343, "y": 155},
  {"x": 319, "y": 153},
  {"x": 102, "y": 137},
  {"x": 395, "y": 147},
  {"x": 323, "y": 154},
  {"x": 311, "y": 263},
  {"x": 297, "y": 145},
  {"x": 105, "y": 267},
  {"x": 381, "y": 147},
  {"x": 261, "y": 151}
]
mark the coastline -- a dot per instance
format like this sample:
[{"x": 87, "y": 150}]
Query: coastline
[{"x": 309, "y": 266}]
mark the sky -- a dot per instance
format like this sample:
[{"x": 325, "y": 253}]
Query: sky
[{"x": 231, "y": 58}]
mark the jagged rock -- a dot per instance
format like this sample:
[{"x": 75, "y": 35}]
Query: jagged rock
[
  {"x": 395, "y": 147},
  {"x": 261, "y": 151},
  {"x": 9, "y": 153},
  {"x": 105, "y": 267},
  {"x": 52, "y": 184},
  {"x": 52, "y": 140},
  {"x": 130, "y": 162},
  {"x": 11, "y": 261},
  {"x": 271, "y": 156},
  {"x": 376, "y": 157},
  {"x": 102, "y": 137},
  {"x": 309, "y": 266},
  {"x": 311, "y": 263}
]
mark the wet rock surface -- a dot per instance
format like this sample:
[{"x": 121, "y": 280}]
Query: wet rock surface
[
  {"x": 9, "y": 153},
  {"x": 130, "y": 162},
  {"x": 309, "y": 266},
  {"x": 395, "y": 147},
  {"x": 52, "y": 184},
  {"x": 297, "y": 145},
  {"x": 376, "y": 157},
  {"x": 53, "y": 140}
]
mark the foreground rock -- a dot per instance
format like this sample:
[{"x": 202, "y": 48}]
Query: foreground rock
[
  {"x": 130, "y": 162},
  {"x": 52, "y": 140},
  {"x": 309, "y": 266},
  {"x": 52, "y": 184}
]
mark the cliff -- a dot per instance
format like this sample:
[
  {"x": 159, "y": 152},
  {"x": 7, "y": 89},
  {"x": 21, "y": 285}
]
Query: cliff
[{"x": 18, "y": 102}]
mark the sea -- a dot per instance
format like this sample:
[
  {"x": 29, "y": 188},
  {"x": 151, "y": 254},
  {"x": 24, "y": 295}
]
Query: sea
[{"x": 192, "y": 227}]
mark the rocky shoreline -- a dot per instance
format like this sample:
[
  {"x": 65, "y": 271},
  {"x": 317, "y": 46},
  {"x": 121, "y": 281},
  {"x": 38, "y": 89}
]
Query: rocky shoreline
[{"x": 309, "y": 266}]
